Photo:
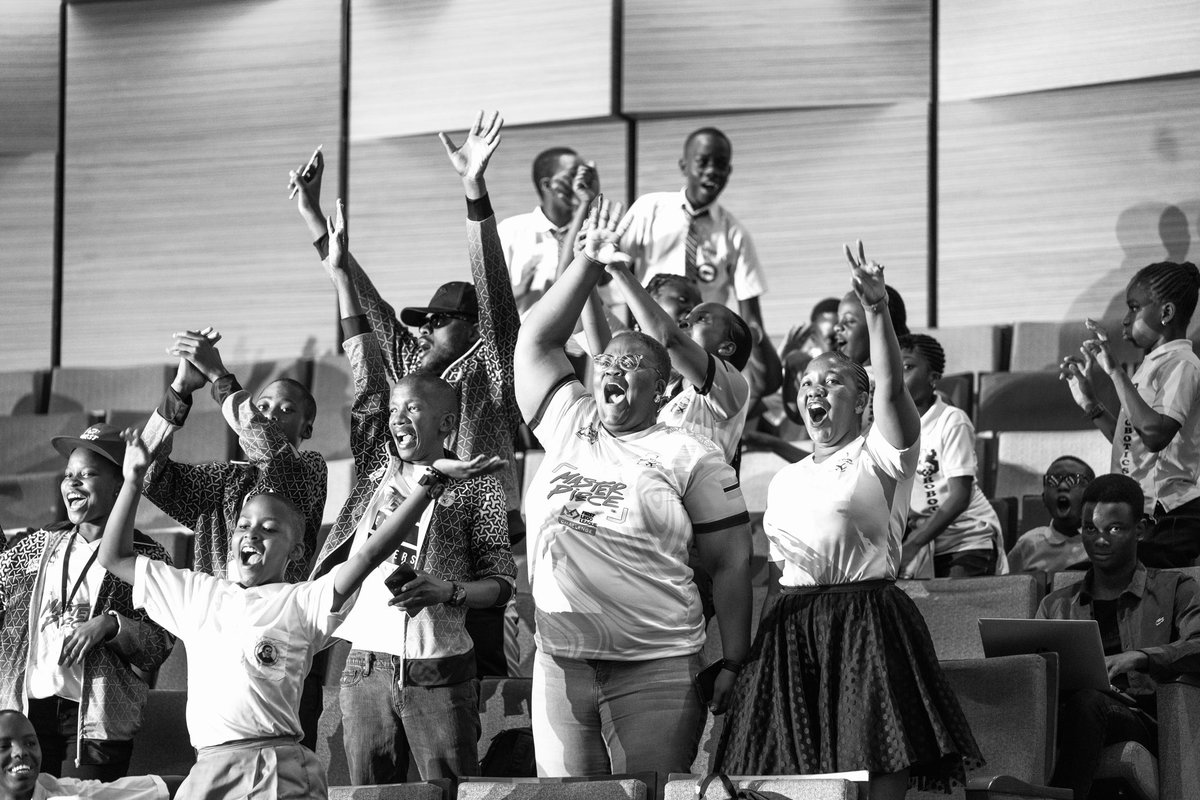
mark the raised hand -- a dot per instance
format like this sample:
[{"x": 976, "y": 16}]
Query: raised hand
[
  {"x": 188, "y": 379},
  {"x": 201, "y": 351},
  {"x": 866, "y": 276},
  {"x": 339, "y": 242},
  {"x": 471, "y": 159},
  {"x": 305, "y": 180},
  {"x": 1077, "y": 373},
  {"x": 461, "y": 470},
  {"x": 586, "y": 184},
  {"x": 1098, "y": 348},
  {"x": 137, "y": 457},
  {"x": 598, "y": 239}
]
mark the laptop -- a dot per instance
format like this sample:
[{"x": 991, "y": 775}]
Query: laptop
[{"x": 1076, "y": 641}]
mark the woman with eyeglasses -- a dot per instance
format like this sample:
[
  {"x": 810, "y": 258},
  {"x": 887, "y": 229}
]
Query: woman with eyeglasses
[
  {"x": 611, "y": 513},
  {"x": 842, "y": 676}
]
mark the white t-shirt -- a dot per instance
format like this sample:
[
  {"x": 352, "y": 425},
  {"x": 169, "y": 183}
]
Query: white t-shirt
[
  {"x": 716, "y": 411},
  {"x": 610, "y": 521},
  {"x": 248, "y": 649},
  {"x": 1168, "y": 379},
  {"x": 44, "y": 676},
  {"x": 841, "y": 520},
  {"x": 948, "y": 451},
  {"x": 1044, "y": 549},
  {"x": 655, "y": 230},
  {"x": 136, "y": 787}
]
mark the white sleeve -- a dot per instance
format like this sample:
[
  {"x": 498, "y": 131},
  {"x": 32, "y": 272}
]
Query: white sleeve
[
  {"x": 1177, "y": 392},
  {"x": 316, "y": 601},
  {"x": 568, "y": 407},
  {"x": 896, "y": 464},
  {"x": 748, "y": 278},
  {"x": 957, "y": 454},
  {"x": 174, "y": 598},
  {"x": 729, "y": 390},
  {"x": 137, "y": 787}
]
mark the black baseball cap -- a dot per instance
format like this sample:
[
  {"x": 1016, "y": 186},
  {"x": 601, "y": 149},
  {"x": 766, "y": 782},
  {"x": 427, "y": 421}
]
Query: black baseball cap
[{"x": 455, "y": 297}]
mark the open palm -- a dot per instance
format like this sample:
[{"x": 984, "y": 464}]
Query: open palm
[{"x": 471, "y": 159}]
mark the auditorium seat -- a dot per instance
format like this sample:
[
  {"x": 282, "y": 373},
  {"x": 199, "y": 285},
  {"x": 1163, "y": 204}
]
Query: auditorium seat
[
  {"x": 31, "y": 499},
  {"x": 1033, "y": 511},
  {"x": 23, "y": 392},
  {"x": 1043, "y": 345},
  {"x": 779, "y": 787},
  {"x": 959, "y": 391},
  {"x": 1011, "y": 704},
  {"x": 98, "y": 388},
  {"x": 641, "y": 786},
  {"x": 27, "y": 438},
  {"x": 1022, "y": 457},
  {"x": 162, "y": 746},
  {"x": 437, "y": 789},
  {"x": 952, "y": 608},
  {"x": 1006, "y": 512},
  {"x": 1027, "y": 401},
  {"x": 973, "y": 348}
]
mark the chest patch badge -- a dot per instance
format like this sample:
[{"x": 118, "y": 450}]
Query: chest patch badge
[{"x": 267, "y": 652}]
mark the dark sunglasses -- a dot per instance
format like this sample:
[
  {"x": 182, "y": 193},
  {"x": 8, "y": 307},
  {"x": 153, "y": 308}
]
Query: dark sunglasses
[
  {"x": 1065, "y": 481},
  {"x": 441, "y": 319}
]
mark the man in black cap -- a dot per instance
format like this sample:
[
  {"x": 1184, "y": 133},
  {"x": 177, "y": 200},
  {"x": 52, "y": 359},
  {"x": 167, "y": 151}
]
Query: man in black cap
[
  {"x": 466, "y": 335},
  {"x": 73, "y": 651}
]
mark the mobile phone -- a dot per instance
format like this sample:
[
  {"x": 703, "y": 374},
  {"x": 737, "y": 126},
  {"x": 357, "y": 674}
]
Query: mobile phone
[
  {"x": 399, "y": 577},
  {"x": 306, "y": 173},
  {"x": 706, "y": 681}
]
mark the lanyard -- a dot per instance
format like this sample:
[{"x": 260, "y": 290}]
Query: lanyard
[{"x": 66, "y": 599}]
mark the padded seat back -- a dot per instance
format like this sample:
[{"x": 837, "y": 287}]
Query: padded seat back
[
  {"x": 418, "y": 790},
  {"x": 973, "y": 348},
  {"x": 1027, "y": 401},
  {"x": 1023, "y": 457},
  {"x": 99, "y": 388},
  {"x": 615, "y": 787},
  {"x": 1043, "y": 345},
  {"x": 952, "y": 608},
  {"x": 26, "y": 441},
  {"x": 31, "y": 500}
]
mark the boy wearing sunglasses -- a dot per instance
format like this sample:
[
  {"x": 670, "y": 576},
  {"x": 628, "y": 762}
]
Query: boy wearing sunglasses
[{"x": 1057, "y": 546}]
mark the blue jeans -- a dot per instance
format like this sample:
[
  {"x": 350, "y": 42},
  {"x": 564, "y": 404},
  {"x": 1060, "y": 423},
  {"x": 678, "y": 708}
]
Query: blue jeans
[
  {"x": 382, "y": 722},
  {"x": 595, "y": 717}
]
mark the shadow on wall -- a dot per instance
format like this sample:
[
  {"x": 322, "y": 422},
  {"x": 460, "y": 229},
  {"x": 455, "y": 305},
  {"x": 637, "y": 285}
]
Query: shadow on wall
[{"x": 1147, "y": 232}]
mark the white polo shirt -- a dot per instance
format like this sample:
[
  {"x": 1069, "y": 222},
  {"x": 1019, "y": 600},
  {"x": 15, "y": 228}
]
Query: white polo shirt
[
  {"x": 529, "y": 242},
  {"x": 654, "y": 232},
  {"x": 1168, "y": 379},
  {"x": 841, "y": 520},
  {"x": 248, "y": 650},
  {"x": 716, "y": 410},
  {"x": 610, "y": 522}
]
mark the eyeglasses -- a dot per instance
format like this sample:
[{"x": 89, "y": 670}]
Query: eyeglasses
[
  {"x": 1064, "y": 481},
  {"x": 440, "y": 319},
  {"x": 624, "y": 362}
]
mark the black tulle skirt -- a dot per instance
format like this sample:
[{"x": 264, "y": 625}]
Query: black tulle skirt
[{"x": 844, "y": 678}]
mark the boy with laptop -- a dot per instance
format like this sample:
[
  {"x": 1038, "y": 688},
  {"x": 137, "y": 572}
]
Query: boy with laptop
[{"x": 1149, "y": 623}]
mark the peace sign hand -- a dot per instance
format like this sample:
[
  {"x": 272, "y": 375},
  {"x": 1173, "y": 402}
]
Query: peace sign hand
[{"x": 866, "y": 276}]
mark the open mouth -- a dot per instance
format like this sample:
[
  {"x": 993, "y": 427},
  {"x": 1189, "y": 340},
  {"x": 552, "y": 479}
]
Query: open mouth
[
  {"x": 249, "y": 557},
  {"x": 614, "y": 393},
  {"x": 76, "y": 500},
  {"x": 20, "y": 770},
  {"x": 1062, "y": 504},
  {"x": 405, "y": 437},
  {"x": 818, "y": 412}
]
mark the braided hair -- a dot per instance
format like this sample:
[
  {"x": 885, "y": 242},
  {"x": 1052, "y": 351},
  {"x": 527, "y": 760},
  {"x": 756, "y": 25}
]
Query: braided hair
[
  {"x": 927, "y": 348},
  {"x": 862, "y": 381},
  {"x": 1168, "y": 282}
]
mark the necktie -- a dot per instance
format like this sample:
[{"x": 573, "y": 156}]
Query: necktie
[{"x": 692, "y": 245}]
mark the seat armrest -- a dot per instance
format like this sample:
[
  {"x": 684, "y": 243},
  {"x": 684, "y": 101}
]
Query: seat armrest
[
  {"x": 1179, "y": 738},
  {"x": 995, "y": 787}
]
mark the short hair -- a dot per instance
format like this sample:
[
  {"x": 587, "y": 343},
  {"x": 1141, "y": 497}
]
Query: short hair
[
  {"x": 827, "y": 306},
  {"x": 927, "y": 348},
  {"x": 433, "y": 388},
  {"x": 657, "y": 282},
  {"x": 545, "y": 164},
  {"x": 659, "y": 359},
  {"x": 1168, "y": 282},
  {"x": 298, "y": 522},
  {"x": 743, "y": 341},
  {"x": 1116, "y": 488},
  {"x": 862, "y": 380},
  {"x": 708, "y": 130},
  {"x": 897, "y": 311},
  {"x": 1087, "y": 468},
  {"x": 308, "y": 403}
]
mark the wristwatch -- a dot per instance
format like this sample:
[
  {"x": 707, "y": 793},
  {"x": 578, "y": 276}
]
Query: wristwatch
[
  {"x": 458, "y": 594},
  {"x": 434, "y": 483}
]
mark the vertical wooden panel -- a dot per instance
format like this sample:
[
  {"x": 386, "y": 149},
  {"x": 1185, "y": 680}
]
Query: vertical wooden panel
[
  {"x": 1012, "y": 46},
  {"x": 26, "y": 259},
  {"x": 803, "y": 183},
  {"x": 407, "y": 208},
  {"x": 29, "y": 66},
  {"x": 712, "y": 55},
  {"x": 183, "y": 119},
  {"x": 1049, "y": 202},
  {"x": 417, "y": 66}
]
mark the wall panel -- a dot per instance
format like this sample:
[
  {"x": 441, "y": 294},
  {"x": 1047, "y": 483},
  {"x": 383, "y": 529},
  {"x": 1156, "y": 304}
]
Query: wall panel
[
  {"x": 419, "y": 66},
  {"x": 26, "y": 259},
  {"x": 1049, "y": 202},
  {"x": 409, "y": 232},
  {"x": 29, "y": 66},
  {"x": 183, "y": 119},
  {"x": 1012, "y": 46},
  {"x": 712, "y": 55},
  {"x": 803, "y": 183}
]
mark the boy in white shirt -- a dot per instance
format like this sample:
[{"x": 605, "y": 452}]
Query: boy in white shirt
[
  {"x": 251, "y": 643},
  {"x": 1057, "y": 546}
]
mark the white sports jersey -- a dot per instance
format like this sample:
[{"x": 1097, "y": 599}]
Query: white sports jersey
[
  {"x": 716, "y": 410},
  {"x": 841, "y": 520},
  {"x": 610, "y": 521}
]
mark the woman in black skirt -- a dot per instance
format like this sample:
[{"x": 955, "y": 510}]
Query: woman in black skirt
[{"x": 842, "y": 675}]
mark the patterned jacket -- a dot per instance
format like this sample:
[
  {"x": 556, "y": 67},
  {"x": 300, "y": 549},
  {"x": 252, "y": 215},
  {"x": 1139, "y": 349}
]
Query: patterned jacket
[
  {"x": 467, "y": 538},
  {"x": 208, "y": 497},
  {"x": 488, "y": 416},
  {"x": 114, "y": 673}
]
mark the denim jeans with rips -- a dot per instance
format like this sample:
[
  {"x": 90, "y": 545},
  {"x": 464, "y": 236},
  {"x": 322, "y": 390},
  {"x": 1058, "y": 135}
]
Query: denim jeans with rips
[
  {"x": 382, "y": 722},
  {"x": 600, "y": 717}
]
